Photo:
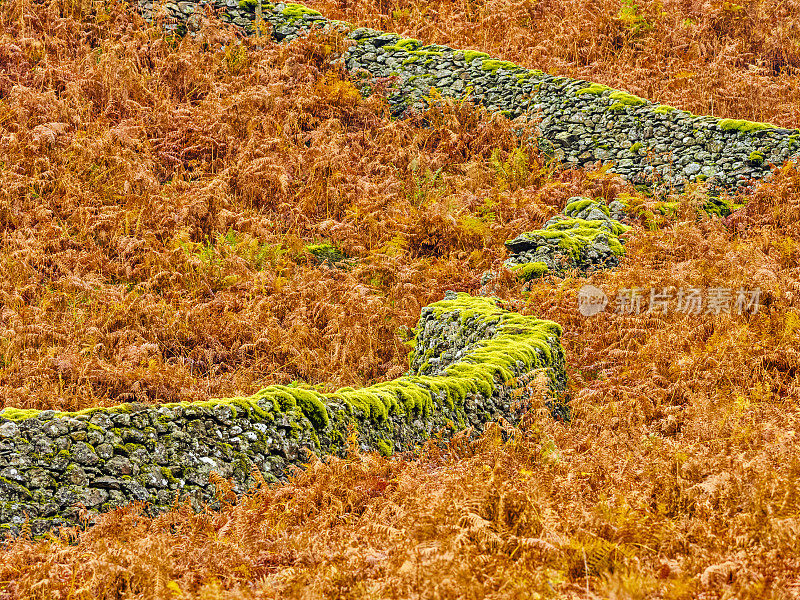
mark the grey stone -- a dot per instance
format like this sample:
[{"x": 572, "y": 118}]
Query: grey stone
[
  {"x": 9, "y": 430},
  {"x": 692, "y": 169},
  {"x": 105, "y": 482},
  {"x": 118, "y": 465},
  {"x": 84, "y": 454},
  {"x": 76, "y": 475}
]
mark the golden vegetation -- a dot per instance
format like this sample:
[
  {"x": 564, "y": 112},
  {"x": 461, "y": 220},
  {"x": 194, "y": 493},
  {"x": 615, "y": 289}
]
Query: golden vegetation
[
  {"x": 156, "y": 201},
  {"x": 730, "y": 59}
]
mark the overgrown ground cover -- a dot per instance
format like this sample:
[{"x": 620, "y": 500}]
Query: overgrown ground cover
[
  {"x": 710, "y": 57},
  {"x": 157, "y": 201}
]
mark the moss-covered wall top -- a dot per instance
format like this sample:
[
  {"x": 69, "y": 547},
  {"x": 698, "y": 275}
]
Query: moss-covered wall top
[
  {"x": 469, "y": 357},
  {"x": 580, "y": 122}
]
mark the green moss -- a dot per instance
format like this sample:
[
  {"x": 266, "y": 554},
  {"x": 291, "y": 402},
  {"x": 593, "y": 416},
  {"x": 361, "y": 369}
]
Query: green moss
[
  {"x": 636, "y": 147},
  {"x": 384, "y": 447},
  {"x": 579, "y": 205},
  {"x": 573, "y": 235},
  {"x": 668, "y": 208},
  {"x": 19, "y": 488},
  {"x": 298, "y": 10},
  {"x": 595, "y": 89},
  {"x": 663, "y": 109},
  {"x": 627, "y": 99},
  {"x": 470, "y": 55},
  {"x": 532, "y": 270},
  {"x": 407, "y": 44},
  {"x": 130, "y": 448},
  {"x": 617, "y": 107},
  {"x": 495, "y": 65},
  {"x": 325, "y": 253},
  {"x": 19, "y": 414},
  {"x": 312, "y": 406},
  {"x": 743, "y": 126},
  {"x": 721, "y": 207},
  {"x": 756, "y": 158}
]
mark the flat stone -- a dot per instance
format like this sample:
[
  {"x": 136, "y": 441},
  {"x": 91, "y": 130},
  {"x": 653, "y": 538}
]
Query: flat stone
[{"x": 105, "y": 482}]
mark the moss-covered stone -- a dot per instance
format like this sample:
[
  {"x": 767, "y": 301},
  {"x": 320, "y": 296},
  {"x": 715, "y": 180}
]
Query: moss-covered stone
[
  {"x": 326, "y": 253},
  {"x": 470, "y": 55},
  {"x": 495, "y": 65},
  {"x": 595, "y": 89},
  {"x": 743, "y": 126},
  {"x": 298, "y": 10},
  {"x": 663, "y": 109},
  {"x": 626, "y": 99},
  {"x": 532, "y": 270}
]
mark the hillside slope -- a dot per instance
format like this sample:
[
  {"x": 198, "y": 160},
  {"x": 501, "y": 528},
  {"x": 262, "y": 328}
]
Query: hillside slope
[{"x": 157, "y": 201}]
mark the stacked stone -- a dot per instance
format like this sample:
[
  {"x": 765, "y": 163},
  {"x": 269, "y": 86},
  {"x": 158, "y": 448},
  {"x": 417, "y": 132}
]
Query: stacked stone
[
  {"x": 585, "y": 238},
  {"x": 651, "y": 143},
  {"x": 580, "y": 122},
  {"x": 103, "y": 458},
  {"x": 500, "y": 86}
]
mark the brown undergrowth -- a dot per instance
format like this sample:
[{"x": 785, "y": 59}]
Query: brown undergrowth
[
  {"x": 710, "y": 57},
  {"x": 156, "y": 201}
]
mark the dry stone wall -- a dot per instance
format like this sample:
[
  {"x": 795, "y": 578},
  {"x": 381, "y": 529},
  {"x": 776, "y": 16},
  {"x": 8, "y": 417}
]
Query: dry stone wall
[
  {"x": 580, "y": 122},
  {"x": 471, "y": 359}
]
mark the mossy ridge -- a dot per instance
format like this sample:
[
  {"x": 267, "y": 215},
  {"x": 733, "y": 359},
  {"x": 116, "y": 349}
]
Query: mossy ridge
[
  {"x": 297, "y": 11},
  {"x": 743, "y": 126},
  {"x": 19, "y": 414},
  {"x": 594, "y": 89},
  {"x": 664, "y": 109},
  {"x": 495, "y": 65},
  {"x": 627, "y": 99},
  {"x": 405, "y": 44},
  {"x": 470, "y": 55}
]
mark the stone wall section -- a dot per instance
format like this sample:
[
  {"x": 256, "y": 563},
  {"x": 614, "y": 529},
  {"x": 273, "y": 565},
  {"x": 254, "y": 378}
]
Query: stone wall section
[
  {"x": 580, "y": 122},
  {"x": 471, "y": 359}
]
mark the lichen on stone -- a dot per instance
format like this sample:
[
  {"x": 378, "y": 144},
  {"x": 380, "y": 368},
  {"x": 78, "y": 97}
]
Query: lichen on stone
[{"x": 585, "y": 237}]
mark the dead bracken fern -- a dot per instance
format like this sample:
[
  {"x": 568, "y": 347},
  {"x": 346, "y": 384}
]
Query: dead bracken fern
[{"x": 157, "y": 198}]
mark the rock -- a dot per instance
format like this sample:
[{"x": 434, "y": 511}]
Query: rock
[
  {"x": 692, "y": 169},
  {"x": 105, "y": 482},
  {"x": 9, "y": 430},
  {"x": 118, "y": 465},
  {"x": 84, "y": 454}
]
